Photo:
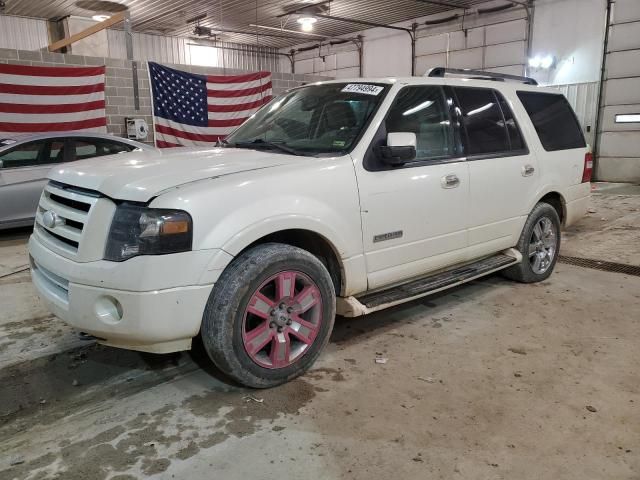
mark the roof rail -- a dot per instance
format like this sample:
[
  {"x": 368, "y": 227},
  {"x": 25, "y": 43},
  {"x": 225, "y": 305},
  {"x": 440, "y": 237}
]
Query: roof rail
[{"x": 479, "y": 75}]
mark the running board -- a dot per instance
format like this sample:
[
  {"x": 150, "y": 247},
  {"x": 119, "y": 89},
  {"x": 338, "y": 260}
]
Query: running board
[{"x": 373, "y": 301}]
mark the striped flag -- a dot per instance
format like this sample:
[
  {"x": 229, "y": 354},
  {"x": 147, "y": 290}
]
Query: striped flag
[
  {"x": 198, "y": 110},
  {"x": 51, "y": 99}
]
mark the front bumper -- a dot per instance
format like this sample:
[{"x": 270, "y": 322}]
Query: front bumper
[{"x": 159, "y": 320}]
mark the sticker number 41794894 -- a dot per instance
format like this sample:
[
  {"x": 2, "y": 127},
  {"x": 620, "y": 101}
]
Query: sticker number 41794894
[{"x": 365, "y": 88}]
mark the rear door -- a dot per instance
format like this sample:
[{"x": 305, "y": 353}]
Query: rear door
[
  {"x": 414, "y": 216},
  {"x": 23, "y": 176},
  {"x": 504, "y": 174}
]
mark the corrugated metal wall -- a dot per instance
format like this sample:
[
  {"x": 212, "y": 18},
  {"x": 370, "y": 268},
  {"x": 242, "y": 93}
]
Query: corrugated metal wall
[
  {"x": 149, "y": 47},
  {"x": 178, "y": 50},
  {"x": 338, "y": 61},
  {"x": 583, "y": 97},
  {"x": 23, "y": 33}
]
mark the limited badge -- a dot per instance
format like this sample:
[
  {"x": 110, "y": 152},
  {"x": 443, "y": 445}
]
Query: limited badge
[
  {"x": 383, "y": 237},
  {"x": 364, "y": 88}
]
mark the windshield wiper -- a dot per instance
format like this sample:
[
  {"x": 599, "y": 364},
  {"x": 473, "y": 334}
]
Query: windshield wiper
[{"x": 259, "y": 142}]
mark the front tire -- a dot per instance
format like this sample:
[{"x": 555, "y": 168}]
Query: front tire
[
  {"x": 269, "y": 315},
  {"x": 539, "y": 244}
]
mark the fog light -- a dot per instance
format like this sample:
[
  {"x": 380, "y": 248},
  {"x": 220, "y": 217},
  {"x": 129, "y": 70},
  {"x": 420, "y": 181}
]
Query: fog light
[{"x": 108, "y": 310}]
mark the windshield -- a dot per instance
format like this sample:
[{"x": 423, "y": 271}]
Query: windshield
[{"x": 316, "y": 119}]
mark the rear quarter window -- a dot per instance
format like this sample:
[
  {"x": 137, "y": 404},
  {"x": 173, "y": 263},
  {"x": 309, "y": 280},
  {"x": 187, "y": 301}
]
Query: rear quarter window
[{"x": 554, "y": 120}]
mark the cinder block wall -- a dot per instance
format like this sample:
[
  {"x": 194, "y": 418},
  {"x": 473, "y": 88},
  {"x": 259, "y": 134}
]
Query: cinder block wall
[{"x": 119, "y": 82}]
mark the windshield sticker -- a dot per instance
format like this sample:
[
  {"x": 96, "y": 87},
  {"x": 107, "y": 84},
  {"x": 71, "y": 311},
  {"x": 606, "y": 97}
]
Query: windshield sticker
[
  {"x": 339, "y": 143},
  {"x": 363, "y": 88}
]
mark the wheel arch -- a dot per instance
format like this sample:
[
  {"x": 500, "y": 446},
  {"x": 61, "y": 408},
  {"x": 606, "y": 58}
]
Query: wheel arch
[
  {"x": 558, "y": 202},
  {"x": 314, "y": 243}
]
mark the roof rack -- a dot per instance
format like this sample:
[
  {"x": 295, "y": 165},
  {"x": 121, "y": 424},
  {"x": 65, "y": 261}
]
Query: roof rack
[{"x": 441, "y": 72}]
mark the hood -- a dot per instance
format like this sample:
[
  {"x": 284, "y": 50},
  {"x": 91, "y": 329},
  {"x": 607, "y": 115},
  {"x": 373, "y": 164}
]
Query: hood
[{"x": 140, "y": 176}]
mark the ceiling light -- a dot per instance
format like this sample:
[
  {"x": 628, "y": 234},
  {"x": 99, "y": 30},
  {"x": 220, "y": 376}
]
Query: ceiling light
[
  {"x": 101, "y": 18},
  {"x": 545, "y": 62},
  {"x": 307, "y": 23}
]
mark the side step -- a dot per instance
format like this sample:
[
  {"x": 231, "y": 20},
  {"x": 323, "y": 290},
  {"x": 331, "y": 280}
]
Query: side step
[{"x": 421, "y": 287}]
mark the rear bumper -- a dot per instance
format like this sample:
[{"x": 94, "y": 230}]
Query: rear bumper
[
  {"x": 577, "y": 203},
  {"x": 160, "y": 321}
]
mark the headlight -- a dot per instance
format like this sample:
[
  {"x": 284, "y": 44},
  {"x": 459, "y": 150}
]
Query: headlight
[{"x": 138, "y": 230}]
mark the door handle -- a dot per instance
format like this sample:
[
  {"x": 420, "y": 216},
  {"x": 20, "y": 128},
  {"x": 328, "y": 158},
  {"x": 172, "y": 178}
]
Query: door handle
[
  {"x": 528, "y": 170},
  {"x": 450, "y": 181}
]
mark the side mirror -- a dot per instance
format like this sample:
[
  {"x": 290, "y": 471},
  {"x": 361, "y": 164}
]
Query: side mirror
[
  {"x": 1, "y": 164},
  {"x": 400, "y": 148}
]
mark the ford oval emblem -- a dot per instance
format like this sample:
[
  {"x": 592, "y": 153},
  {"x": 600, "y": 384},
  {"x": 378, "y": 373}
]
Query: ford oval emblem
[{"x": 49, "y": 219}]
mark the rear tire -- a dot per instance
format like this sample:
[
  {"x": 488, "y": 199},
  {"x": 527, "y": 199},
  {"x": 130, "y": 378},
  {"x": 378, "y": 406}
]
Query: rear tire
[
  {"x": 269, "y": 315},
  {"x": 539, "y": 244}
]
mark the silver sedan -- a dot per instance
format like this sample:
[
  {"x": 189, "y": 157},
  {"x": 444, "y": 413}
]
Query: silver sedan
[{"x": 26, "y": 160}]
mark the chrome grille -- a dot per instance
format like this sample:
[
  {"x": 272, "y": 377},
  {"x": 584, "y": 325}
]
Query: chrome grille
[
  {"x": 53, "y": 283},
  {"x": 62, "y": 215}
]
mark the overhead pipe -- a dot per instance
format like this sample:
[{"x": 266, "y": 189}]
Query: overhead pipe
[{"x": 442, "y": 20}]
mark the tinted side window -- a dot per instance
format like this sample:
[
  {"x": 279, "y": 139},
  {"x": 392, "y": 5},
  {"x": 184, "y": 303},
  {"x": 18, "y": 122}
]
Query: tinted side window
[
  {"x": 483, "y": 121},
  {"x": 423, "y": 111},
  {"x": 84, "y": 149},
  {"x": 111, "y": 148},
  {"x": 56, "y": 152},
  {"x": 515, "y": 136},
  {"x": 25, "y": 155},
  {"x": 554, "y": 120}
]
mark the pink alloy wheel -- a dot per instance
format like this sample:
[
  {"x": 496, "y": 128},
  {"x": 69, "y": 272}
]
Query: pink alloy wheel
[{"x": 282, "y": 319}]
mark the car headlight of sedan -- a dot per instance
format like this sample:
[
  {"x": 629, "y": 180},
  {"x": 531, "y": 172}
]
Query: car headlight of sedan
[{"x": 139, "y": 230}]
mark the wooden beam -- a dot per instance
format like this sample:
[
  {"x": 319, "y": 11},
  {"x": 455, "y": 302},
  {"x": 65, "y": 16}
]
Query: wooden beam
[{"x": 109, "y": 22}]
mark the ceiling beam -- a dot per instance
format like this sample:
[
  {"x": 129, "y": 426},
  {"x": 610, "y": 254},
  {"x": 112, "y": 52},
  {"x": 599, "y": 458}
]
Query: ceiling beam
[
  {"x": 522, "y": 3},
  {"x": 284, "y": 30},
  {"x": 98, "y": 27},
  {"x": 254, "y": 33},
  {"x": 303, "y": 8},
  {"x": 442, "y": 4},
  {"x": 361, "y": 22}
]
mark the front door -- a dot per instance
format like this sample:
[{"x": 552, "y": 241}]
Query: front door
[{"x": 414, "y": 216}]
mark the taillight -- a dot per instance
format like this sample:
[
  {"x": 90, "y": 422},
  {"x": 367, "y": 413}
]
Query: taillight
[{"x": 588, "y": 168}]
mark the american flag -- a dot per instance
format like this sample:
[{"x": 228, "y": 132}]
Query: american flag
[
  {"x": 51, "y": 99},
  {"x": 199, "y": 110}
]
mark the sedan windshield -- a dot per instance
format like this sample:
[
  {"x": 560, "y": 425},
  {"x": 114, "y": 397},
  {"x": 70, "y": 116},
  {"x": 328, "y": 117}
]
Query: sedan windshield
[{"x": 312, "y": 120}]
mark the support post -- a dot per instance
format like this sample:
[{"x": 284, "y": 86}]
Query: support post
[
  {"x": 128, "y": 39},
  {"x": 412, "y": 34},
  {"x": 603, "y": 78},
  {"x": 292, "y": 59},
  {"x": 359, "y": 43},
  {"x": 530, "y": 11}
]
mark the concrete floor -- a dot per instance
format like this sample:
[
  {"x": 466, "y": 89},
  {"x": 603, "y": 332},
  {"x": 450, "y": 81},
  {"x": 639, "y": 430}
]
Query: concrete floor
[{"x": 492, "y": 380}]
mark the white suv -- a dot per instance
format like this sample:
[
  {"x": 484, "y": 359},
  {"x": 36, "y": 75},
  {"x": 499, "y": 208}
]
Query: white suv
[{"x": 339, "y": 197}]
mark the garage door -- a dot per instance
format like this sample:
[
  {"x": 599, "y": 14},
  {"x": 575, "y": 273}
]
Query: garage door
[
  {"x": 619, "y": 147},
  {"x": 495, "y": 43}
]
